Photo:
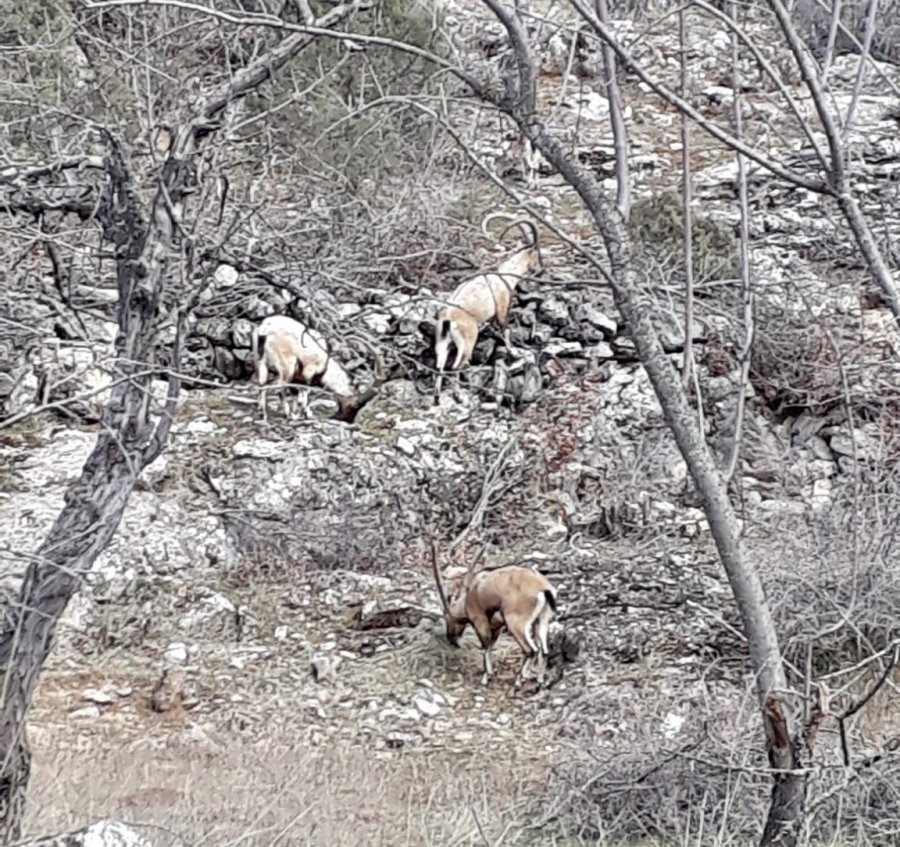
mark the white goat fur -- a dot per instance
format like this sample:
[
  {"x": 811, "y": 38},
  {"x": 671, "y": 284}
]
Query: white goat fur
[
  {"x": 486, "y": 297},
  {"x": 512, "y": 597},
  {"x": 296, "y": 354}
]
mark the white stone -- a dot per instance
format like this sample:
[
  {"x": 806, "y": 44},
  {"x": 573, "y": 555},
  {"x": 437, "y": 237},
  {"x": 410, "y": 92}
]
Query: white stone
[
  {"x": 176, "y": 653},
  {"x": 92, "y": 711},
  {"x": 226, "y": 276},
  {"x": 95, "y": 695},
  {"x": 821, "y": 493},
  {"x": 564, "y": 348},
  {"x": 671, "y": 724},
  {"x": 404, "y": 445},
  {"x": 601, "y": 350},
  {"x": 427, "y": 707}
]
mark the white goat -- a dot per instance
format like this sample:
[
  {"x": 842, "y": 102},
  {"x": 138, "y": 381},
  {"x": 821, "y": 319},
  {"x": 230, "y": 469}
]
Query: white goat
[
  {"x": 483, "y": 298},
  {"x": 299, "y": 354},
  {"x": 511, "y": 597}
]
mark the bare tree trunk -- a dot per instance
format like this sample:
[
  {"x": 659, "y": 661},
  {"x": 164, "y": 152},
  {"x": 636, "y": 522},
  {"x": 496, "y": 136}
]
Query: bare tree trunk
[
  {"x": 744, "y": 246},
  {"x": 617, "y": 120},
  {"x": 148, "y": 241},
  {"x": 687, "y": 225},
  {"x": 93, "y": 509},
  {"x": 756, "y": 617}
]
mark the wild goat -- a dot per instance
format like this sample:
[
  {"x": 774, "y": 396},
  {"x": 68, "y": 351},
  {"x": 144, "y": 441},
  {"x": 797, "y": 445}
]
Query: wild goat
[
  {"x": 511, "y": 597},
  {"x": 298, "y": 354},
  {"x": 483, "y": 298}
]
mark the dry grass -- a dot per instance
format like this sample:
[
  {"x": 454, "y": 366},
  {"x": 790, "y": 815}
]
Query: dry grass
[{"x": 269, "y": 791}]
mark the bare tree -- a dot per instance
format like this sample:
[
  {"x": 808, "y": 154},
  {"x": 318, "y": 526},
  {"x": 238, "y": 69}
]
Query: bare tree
[
  {"x": 830, "y": 175},
  {"x": 155, "y": 243},
  {"x": 518, "y": 100}
]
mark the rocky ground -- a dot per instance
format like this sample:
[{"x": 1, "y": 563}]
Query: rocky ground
[
  {"x": 258, "y": 657},
  {"x": 192, "y": 639}
]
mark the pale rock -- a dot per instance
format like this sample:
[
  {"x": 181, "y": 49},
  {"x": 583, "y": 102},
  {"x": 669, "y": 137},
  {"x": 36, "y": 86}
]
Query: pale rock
[
  {"x": 156, "y": 471},
  {"x": 821, "y": 468},
  {"x": 562, "y": 349},
  {"x": 377, "y": 322},
  {"x": 348, "y": 310},
  {"x": 594, "y": 106},
  {"x": 820, "y": 495},
  {"x": 95, "y": 695},
  {"x": 200, "y": 427},
  {"x": 257, "y": 448},
  {"x": 176, "y": 653},
  {"x": 845, "y": 443},
  {"x": 92, "y": 711},
  {"x": 820, "y": 448},
  {"x": 678, "y": 471},
  {"x": 242, "y": 333},
  {"x": 600, "y": 351},
  {"x": 554, "y": 312},
  {"x": 781, "y": 508},
  {"x": 396, "y": 713},
  {"x": 226, "y": 276},
  {"x": 324, "y": 668},
  {"x": 404, "y": 445},
  {"x": 805, "y": 427},
  {"x": 427, "y": 707},
  {"x": 672, "y": 724},
  {"x": 589, "y": 314}
]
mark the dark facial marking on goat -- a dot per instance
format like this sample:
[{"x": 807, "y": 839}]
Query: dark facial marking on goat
[{"x": 316, "y": 380}]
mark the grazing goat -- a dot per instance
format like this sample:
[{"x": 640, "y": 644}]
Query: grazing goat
[
  {"x": 483, "y": 298},
  {"x": 510, "y": 597},
  {"x": 299, "y": 354}
]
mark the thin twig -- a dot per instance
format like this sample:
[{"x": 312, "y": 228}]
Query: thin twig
[{"x": 489, "y": 487}]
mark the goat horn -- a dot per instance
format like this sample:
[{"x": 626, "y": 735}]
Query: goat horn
[
  {"x": 528, "y": 230},
  {"x": 437, "y": 578},
  {"x": 491, "y": 217}
]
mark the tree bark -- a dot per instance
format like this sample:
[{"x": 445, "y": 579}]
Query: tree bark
[{"x": 94, "y": 506}]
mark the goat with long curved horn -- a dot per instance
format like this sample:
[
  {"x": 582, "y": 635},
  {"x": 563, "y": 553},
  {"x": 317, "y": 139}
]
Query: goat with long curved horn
[
  {"x": 511, "y": 597},
  {"x": 483, "y": 298}
]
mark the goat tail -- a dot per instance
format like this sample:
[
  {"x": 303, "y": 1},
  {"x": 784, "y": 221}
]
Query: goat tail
[
  {"x": 259, "y": 344},
  {"x": 550, "y": 597},
  {"x": 445, "y": 325},
  {"x": 259, "y": 354}
]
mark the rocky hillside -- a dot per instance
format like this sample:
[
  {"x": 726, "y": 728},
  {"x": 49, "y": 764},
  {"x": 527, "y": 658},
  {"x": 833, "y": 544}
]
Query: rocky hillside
[{"x": 258, "y": 657}]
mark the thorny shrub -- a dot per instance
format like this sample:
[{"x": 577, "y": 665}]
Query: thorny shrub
[{"x": 657, "y": 226}]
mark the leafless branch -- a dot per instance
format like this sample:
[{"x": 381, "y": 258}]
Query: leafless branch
[
  {"x": 490, "y": 485},
  {"x": 744, "y": 248}
]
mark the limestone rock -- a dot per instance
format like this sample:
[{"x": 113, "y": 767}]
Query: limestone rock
[
  {"x": 324, "y": 668},
  {"x": 106, "y": 833}
]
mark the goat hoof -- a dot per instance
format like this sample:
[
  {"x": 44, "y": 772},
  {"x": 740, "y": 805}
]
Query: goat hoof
[{"x": 485, "y": 680}]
